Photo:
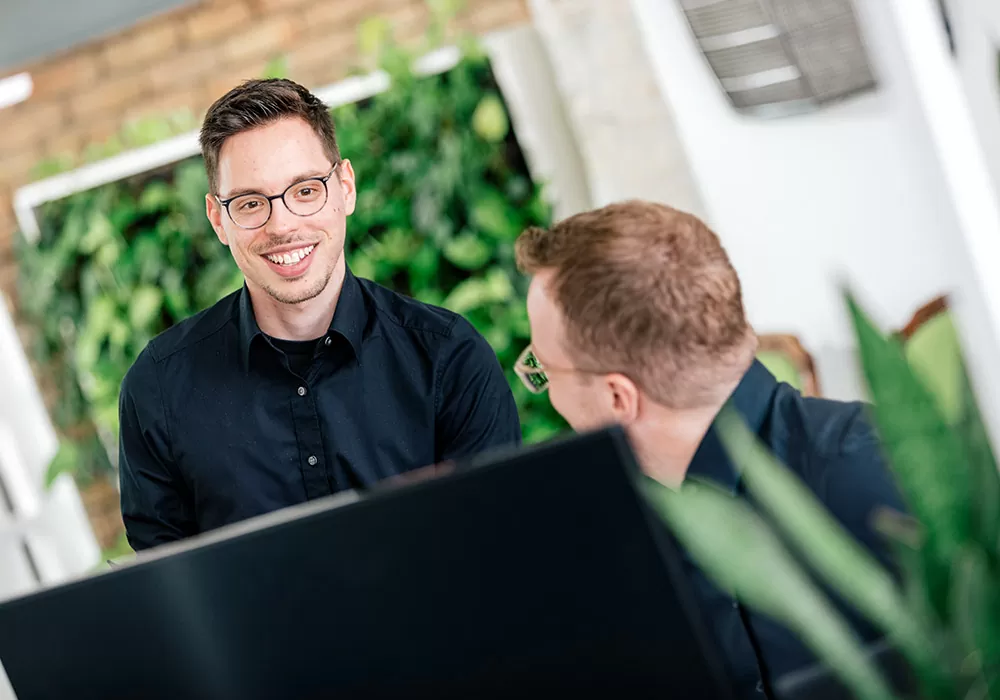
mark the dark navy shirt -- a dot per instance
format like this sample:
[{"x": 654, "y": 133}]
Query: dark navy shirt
[
  {"x": 832, "y": 447},
  {"x": 220, "y": 422}
]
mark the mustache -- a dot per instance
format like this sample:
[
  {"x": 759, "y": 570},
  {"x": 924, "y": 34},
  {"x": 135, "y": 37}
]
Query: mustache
[{"x": 267, "y": 247}]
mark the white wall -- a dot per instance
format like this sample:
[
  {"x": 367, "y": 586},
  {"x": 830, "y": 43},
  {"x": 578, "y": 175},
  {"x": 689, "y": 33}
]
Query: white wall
[
  {"x": 976, "y": 27},
  {"x": 851, "y": 192}
]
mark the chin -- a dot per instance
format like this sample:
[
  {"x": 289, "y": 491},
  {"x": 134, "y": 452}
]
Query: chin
[{"x": 296, "y": 291}]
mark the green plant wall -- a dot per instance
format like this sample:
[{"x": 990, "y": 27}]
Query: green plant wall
[{"x": 442, "y": 193}]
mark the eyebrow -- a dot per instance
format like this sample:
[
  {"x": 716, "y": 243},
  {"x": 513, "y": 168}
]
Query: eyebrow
[{"x": 309, "y": 175}]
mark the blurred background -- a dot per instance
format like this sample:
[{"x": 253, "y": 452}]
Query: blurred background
[{"x": 828, "y": 142}]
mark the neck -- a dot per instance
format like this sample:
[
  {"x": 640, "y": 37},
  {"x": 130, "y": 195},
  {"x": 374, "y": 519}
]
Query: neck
[
  {"x": 305, "y": 320},
  {"x": 668, "y": 441}
]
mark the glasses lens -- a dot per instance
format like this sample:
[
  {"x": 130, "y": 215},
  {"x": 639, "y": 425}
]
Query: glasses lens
[
  {"x": 250, "y": 211},
  {"x": 529, "y": 369},
  {"x": 305, "y": 198}
]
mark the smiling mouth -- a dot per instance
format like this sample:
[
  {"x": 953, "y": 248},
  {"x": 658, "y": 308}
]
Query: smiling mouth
[{"x": 291, "y": 257}]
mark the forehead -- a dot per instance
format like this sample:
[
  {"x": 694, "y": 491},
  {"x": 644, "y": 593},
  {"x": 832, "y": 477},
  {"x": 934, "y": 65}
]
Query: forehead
[
  {"x": 546, "y": 321},
  {"x": 269, "y": 157}
]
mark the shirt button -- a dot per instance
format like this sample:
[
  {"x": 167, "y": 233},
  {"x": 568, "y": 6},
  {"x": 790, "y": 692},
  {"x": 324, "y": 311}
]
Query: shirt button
[
  {"x": 302, "y": 391},
  {"x": 312, "y": 460},
  {"x": 736, "y": 605},
  {"x": 760, "y": 687},
  {"x": 327, "y": 341}
]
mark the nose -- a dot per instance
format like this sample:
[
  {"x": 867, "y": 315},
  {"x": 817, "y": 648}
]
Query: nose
[{"x": 282, "y": 220}]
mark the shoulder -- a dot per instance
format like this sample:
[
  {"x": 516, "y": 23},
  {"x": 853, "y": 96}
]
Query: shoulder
[
  {"x": 826, "y": 427},
  {"x": 398, "y": 311},
  {"x": 835, "y": 448},
  {"x": 194, "y": 330}
]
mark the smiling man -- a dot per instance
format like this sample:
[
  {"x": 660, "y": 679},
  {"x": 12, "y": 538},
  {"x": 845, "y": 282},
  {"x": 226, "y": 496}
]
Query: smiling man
[{"x": 308, "y": 380}]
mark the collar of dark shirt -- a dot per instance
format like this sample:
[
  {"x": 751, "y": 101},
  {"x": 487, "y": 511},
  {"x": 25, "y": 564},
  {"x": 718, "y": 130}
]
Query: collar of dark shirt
[
  {"x": 349, "y": 319},
  {"x": 752, "y": 399}
]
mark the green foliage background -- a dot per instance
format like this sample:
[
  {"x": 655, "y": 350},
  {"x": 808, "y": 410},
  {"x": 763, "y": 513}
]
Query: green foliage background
[{"x": 443, "y": 191}]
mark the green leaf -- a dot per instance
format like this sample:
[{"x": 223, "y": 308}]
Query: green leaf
[
  {"x": 489, "y": 120},
  {"x": 145, "y": 306},
  {"x": 64, "y": 462},
  {"x": 976, "y": 605},
  {"x": 986, "y": 478},
  {"x": 468, "y": 295},
  {"x": 743, "y": 556},
  {"x": 927, "y": 457},
  {"x": 373, "y": 34},
  {"x": 99, "y": 232},
  {"x": 277, "y": 67},
  {"x": 827, "y": 546},
  {"x": 467, "y": 251},
  {"x": 157, "y": 196},
  {"x": 492, "y": 215}
]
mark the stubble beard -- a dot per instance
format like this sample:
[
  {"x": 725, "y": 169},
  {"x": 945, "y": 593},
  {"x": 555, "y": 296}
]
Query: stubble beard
[{"x": 296, "y": 296}]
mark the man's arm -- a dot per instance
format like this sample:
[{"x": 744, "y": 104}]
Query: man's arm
[
  {"x": 475, "y": 407},
  {"x": 156, "y": 506}
]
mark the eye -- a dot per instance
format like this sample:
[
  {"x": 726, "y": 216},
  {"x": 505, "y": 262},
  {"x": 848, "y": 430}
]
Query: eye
[
  {"x": 308, "y": 191},
  {"x": 249, "y": 206}
]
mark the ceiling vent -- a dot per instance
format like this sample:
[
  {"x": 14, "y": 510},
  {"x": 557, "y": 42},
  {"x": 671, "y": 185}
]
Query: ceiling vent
[{"x": 775, "y": 57}]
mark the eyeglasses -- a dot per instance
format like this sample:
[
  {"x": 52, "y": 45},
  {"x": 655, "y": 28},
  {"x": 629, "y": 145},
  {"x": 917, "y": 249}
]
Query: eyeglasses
[
  {"x": 535, "y": 375},
  {"x": 303, "y": 198},
  {"x": 529, "y": 369}
]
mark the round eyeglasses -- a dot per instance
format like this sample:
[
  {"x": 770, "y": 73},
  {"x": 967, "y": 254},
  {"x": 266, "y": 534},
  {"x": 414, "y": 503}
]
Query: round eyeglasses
[{"x": 302, "y": 198}]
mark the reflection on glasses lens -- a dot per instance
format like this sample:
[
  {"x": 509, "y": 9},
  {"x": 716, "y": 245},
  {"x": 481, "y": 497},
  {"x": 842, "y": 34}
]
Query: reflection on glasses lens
[
  {"x": 529, "y": 369},
  {"x": 538, "y": 380}
]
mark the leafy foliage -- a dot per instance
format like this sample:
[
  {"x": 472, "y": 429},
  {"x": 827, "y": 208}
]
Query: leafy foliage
[
  {"x": 442, "y": 192},
  {"x": 945, "y": 615}
]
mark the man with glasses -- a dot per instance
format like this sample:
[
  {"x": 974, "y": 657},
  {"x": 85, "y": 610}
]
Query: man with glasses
[
  {"x": 637, "y": 319},
  {"x": 308, "y": 380}
]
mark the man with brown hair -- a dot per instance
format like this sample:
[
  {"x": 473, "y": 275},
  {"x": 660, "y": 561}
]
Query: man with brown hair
[
  {"x": 637, "y": 319},
  {"x": 308, "y": 380}
]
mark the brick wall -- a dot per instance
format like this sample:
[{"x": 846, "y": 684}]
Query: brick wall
[{"x": 186, "y": 59}]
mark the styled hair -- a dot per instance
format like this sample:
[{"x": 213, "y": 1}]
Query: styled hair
[
  {"x": 257, "y": 103},
  {"x": 647, "y": 291}
]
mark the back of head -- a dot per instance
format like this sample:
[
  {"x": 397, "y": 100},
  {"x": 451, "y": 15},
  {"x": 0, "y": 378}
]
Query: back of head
[
  {"x": 257, "y": 103},
  {"x": 647, "y": 291}
]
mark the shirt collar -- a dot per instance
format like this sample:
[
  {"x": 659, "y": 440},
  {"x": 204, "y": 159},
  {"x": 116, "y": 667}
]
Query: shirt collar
[
  {"x": 752, "y": 399},
  {"x": 349, "y": 318}
]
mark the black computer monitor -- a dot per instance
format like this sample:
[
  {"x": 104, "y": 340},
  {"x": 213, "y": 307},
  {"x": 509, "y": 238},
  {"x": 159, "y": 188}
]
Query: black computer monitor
[{"x": 524, "y": 572}]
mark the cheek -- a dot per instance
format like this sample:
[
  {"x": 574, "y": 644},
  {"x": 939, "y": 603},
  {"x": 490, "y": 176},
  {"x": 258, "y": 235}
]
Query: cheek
[{"x": 567, "y": 399}]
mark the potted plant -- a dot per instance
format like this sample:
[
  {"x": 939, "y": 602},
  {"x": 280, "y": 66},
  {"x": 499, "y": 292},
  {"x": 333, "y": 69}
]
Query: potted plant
[{"x": 943, "y": 617}]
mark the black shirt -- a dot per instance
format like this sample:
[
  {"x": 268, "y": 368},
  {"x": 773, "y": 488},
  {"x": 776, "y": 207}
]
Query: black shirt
[
  {"x": 219, "y": 422},
  {"x": 832, "y": 447}
]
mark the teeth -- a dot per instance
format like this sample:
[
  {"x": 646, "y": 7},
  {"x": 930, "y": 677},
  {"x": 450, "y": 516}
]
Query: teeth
[{"x": 291, "y": 257}]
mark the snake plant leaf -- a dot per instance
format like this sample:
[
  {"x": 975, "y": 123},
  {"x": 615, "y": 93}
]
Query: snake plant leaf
[
  {"x": 734, "y": 546},
  {"x": 976, "y": 611},
  {"x": 821, "y": 540},
  {"x": 927, "y": 457},
  {"x": 986, "y": 479}
]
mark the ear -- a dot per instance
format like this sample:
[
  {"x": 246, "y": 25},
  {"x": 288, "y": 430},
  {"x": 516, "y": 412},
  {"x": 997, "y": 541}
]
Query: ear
[
  {"x": 624, "y": 398},
  {"x": 348, "y": 186},
  {"x": 214, "y": 212}
]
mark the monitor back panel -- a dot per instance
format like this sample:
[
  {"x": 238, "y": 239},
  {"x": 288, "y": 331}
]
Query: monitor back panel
[{"x": 536, "y": 573}]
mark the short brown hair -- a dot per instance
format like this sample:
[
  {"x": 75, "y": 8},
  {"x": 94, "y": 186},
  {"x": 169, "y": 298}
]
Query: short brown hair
[
  {"x": 648, "y": 291},
  {"x": 256, "y": 103}
]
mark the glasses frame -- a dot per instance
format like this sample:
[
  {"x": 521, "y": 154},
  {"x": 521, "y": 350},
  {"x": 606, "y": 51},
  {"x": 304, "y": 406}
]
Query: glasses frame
[
  {"x": 522, "y": 369},
  {"x": 269, "y": 199}
]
